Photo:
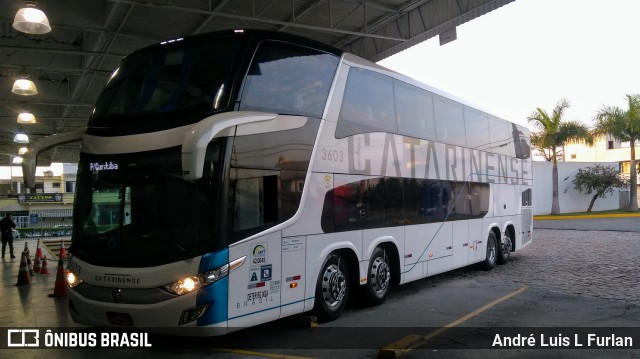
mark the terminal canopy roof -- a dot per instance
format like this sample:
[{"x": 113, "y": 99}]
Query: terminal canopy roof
[{"x": 71, "y": 64}]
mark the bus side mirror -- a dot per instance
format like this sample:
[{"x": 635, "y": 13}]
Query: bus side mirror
[
  {"x": 194, "y": 145},
  {"x": 43, "y": 144}
]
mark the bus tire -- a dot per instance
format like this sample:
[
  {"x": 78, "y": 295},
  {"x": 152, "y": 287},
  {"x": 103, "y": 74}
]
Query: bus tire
[
  {"x": 379, "y": 279},
  {"x": 504, "y": 250},
  {"x": 491, "y": 259},
  {"x": 332, "y": 289}
]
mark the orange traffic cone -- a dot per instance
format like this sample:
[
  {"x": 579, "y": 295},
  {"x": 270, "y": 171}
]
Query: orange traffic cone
[
  {"x": 60, "y": 289},
  {"x": 29, "y": 264},
  {"x": 23, "y": 275},
  {"x": 63, "y": 251},
  {"x": 44, "y": 269},
  {"x": 36, "y": 265},
  {"x": 38, "y": 250}
]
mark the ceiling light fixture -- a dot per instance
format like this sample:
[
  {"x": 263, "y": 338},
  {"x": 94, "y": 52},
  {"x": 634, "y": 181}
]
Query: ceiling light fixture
[
  {"x": 31, "y": 20},
  {"x": 21, "y": 137},
  {"x": 26, "y": 117},
  {"x": 23, "y": 150},
  {"x": 17, "y": 160},
  {"x": 25, "y": 87}
]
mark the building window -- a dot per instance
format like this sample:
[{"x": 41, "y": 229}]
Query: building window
[
  {"x": 626, "y": 167},
  {"x": 573, "y": 156},
  {"x": 609, "y": 145},
  {"x": 70, "y": 186}
]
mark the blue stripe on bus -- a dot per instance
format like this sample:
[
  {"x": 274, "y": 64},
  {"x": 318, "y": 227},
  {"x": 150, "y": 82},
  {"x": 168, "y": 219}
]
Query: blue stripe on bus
[{"x": 215, "y": 295}]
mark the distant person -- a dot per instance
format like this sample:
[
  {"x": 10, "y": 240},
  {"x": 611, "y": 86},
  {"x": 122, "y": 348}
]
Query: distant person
[{"x": 6, "y": 228}]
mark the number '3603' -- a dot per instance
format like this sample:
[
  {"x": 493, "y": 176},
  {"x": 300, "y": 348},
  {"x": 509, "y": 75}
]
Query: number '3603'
[{"x": 332, "y": 155}]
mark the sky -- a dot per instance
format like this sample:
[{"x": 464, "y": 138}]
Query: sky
[{"x": 532, "y": 53}]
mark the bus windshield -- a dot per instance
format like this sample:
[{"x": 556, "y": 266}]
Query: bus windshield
[
  {"x": 136, "y": 210},
  {"x": 178, "y": 80}
]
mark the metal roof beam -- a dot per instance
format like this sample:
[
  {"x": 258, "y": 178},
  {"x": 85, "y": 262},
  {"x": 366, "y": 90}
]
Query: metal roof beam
[{"x": 260, "y": 20}]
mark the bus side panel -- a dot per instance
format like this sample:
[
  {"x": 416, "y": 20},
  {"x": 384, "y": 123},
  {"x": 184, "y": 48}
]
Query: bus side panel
[
  {"x": 425, "y": 242},
  {"x": 460, "y": 243},
  {"x": 254, "y": 287},
  {"x": 294, "y": 280},
  {"x": 504, "y": 200},
  {"x": 428, "y": 241},
  {"x": 476, "y": 238},
  {"x": 438, "y": 265}
]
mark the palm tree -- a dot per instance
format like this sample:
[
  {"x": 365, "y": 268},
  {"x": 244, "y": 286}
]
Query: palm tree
[
  {"x": 552, "y": 136},
  {"x": 624, "y": 126}
]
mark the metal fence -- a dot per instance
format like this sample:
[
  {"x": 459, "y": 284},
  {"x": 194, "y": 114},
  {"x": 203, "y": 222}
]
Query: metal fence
[{"x": 42, "y": 223}]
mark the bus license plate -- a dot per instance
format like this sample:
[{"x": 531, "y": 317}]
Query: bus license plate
[{"x": 121, "y": 319}]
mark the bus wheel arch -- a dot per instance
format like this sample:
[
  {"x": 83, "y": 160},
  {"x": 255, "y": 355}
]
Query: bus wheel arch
[
  {"x": 506, "y": 244},
  {"x": 335, "y": 282},
  {"x": 383, "y": 273}
]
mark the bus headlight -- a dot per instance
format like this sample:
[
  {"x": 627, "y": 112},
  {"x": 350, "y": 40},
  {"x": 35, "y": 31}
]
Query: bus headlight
[
  {"x": 72, "y": 279},
  {"x": 192, "y": 283},
  {"x": 183, "y": 286}
]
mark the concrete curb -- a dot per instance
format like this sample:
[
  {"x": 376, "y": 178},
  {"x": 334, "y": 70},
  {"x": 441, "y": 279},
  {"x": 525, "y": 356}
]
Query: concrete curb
[{"x": 586, "y": 216}]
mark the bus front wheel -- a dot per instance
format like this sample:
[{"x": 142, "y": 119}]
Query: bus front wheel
[
  {"x": 332, "y": 289},
  {"x": 379, "y": 278},
  {"x": 490, "y": 261}
]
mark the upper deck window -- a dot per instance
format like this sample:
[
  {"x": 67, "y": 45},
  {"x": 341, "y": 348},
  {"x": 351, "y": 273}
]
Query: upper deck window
[
  {"x": 368, "y": 104},
  {"x": 289, "y": 79},
  {"x": 172, "y": 82}
]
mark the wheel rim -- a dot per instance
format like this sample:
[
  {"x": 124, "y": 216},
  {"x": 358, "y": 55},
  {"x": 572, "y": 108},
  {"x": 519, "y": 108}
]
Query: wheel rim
[
  {"x": 491, "y": 251},
  {"x": 380, "y": 275},
  {"x": 334, "y": 285}
]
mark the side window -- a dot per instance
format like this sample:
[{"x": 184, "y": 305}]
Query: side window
[
  {"x": 348, "y": 209},
  {"x": 368, "y": 104},
  {"x": 477, "y": 126},
  {"x": 263, "y": 198},
  {"x": 289, "y": 79},
  {"x": 391, "y": 202},
  {"x": 449, "y": 121},
  {"x": 501, "y": 134},
  {"x": 522, "y": 141},
  {"x": 435, "y": 196},
  {"x": 414, "y": 108},
  {"x": 356, "y": 205},
  {"x": 267, "y": 177},
  {"x": 255, "y": 202},
  {"x": 274, "y": 150},
  {"x": 468, "y": 200},
  {"x": 526, "y": 198}
]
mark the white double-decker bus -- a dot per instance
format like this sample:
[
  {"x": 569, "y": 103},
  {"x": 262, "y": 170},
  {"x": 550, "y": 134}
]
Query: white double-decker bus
[{"x": 234, "y": 178}]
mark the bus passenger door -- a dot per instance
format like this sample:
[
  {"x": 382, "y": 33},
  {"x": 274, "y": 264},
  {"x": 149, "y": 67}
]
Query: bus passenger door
[{"x": 293, "y": 280}]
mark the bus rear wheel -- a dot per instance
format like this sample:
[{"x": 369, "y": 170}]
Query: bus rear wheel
[
  {"x": 379, "y": 279},
  {"x": 491, "y": 259},
  {"x": 504, "y": 250},
  {"x": 332, "y": 289}
]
